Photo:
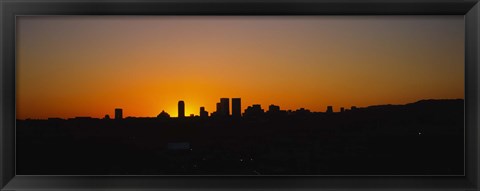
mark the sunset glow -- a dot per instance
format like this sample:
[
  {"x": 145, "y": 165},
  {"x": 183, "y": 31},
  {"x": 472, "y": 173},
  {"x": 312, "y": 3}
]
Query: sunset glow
[{"x": 70, "y": 66}]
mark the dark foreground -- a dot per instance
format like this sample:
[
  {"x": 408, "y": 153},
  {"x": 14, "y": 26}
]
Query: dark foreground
[{"x": 423, "y": 138}]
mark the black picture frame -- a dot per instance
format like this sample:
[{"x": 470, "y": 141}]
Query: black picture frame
[{"x": 9, "y": 9}]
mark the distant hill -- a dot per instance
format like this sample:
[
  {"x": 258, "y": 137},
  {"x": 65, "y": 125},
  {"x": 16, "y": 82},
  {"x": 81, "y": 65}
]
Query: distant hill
[
  {"x": 430, "y": 105},
  {"x": 422, "y": 103}
]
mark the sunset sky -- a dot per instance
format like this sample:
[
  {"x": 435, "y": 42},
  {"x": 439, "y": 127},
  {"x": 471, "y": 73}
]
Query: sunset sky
[{"x": 71, "y": 66}]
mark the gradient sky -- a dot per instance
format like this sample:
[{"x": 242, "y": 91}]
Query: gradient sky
[{"x": 71, "y": 66}]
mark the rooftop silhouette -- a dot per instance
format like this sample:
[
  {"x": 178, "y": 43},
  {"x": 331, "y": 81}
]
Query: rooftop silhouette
[{"x": 255, "y": 110}]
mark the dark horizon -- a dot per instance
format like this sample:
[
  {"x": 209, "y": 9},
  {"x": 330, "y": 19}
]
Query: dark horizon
[{"x": 421, "y": 138}]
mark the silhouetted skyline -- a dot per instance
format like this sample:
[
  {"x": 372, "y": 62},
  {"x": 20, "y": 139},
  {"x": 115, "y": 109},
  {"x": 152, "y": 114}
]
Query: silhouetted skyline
[
  {"x": 71, "y": 66},
  {"x": 421, "y": 138},
  {"x": 222, "y": 110}
]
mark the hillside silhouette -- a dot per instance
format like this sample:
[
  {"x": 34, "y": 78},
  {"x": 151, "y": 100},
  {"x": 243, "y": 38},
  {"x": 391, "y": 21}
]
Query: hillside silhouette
[{"x": 421, "y": 138}]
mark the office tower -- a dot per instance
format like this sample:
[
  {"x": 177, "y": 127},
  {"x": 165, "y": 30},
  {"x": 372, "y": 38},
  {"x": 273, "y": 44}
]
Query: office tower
[
  {"x": 118, "y": 113},
  {"x": 342, "y": 109},
  {"x": 203, "y": 113},
  {"x": 224, "y": 107},
  {"x": 236, "y": 107},
  {"x": 218, "y": 111},
  {"x": 181, "y": 109},
  {"x": 329, "y": 109}
]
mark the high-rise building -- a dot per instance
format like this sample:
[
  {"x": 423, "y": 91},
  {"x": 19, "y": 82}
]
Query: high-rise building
[
  {"x": 203, "y": 113},
  {"x": 342, "y": 109},
  {"x": 118, "y": 113},
  {"x": 224, "y": 107},
  {"x": 219, "y": 109},
  {"x": 236, "y": 107},
  {"x": 329, "y": 109},
  {"x": 181, "y": 109}
]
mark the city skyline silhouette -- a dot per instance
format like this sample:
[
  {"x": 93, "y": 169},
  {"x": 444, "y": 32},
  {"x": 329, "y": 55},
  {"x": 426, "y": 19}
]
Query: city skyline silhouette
[
  {"x": 225, "y": 109},
  {"x": 85, "y": 66},
  {"x": 240, "y": 95},
  {"x": 421, "y": 138}
]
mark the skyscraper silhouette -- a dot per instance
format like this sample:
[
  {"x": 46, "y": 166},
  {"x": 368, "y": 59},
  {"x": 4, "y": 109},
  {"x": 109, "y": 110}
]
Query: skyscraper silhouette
[
  {"x": 203, "y": 113},
  {"x": 181, "y": 109},
  {"x": 118, "y": 113},
  {"x": 224, "y": 106},
  {"x": 218, "y": 111},
  {"x": 236, "y": 107},
  {"x": 329, "y": 109}
]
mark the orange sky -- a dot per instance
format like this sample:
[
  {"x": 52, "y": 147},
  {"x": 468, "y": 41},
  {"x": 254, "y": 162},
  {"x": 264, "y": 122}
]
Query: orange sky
[{"x": 71, "y": 66}]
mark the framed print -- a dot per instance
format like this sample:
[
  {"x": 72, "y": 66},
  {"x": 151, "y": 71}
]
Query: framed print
[{"x": 239, "y": 95}]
